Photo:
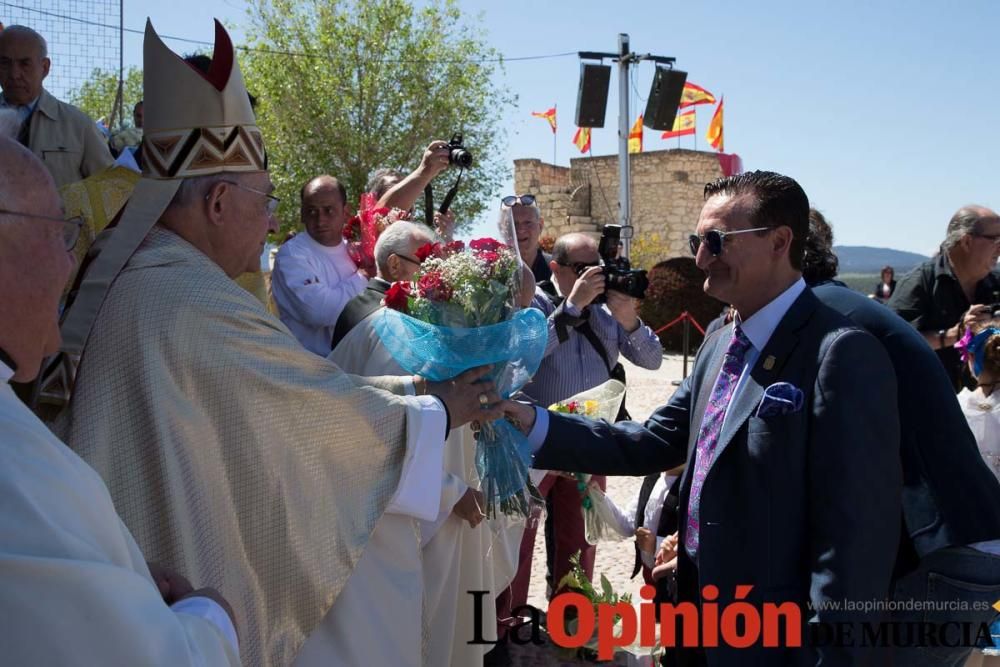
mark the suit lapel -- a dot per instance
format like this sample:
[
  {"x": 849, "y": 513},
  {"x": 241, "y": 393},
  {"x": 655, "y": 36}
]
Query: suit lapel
[{"x": 779, "y": 347}]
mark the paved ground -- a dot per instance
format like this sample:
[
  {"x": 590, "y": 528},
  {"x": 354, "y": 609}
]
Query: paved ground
[{"x": 646, "y": 391}]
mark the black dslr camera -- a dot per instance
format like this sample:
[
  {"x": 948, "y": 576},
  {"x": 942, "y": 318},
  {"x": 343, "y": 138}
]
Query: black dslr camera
[
  {"x": 618, "y": 272},
  {"x": 457, "y": 153}
]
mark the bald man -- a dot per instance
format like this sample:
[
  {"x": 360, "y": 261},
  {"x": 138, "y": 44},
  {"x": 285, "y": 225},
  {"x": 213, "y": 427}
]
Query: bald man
[
  {"x": 64, "y": 138},
  {"x": 73, "y": 584},
  {"x": 313, "y": 276}
]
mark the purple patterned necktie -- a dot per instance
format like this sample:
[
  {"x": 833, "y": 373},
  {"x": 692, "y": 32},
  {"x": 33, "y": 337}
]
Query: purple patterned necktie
[{"x": 711, "y": 428}]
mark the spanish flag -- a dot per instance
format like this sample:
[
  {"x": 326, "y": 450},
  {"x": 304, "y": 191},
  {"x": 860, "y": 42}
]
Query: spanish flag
[
  {"x": 635, "y": 136},
  {"x": 714, "y": 134},
  {"x": 683, "y": 125},
  {"x": 582, "y": 139},
  {"x": 693, "y": 95},
  {"x": 549, "y": 115}
]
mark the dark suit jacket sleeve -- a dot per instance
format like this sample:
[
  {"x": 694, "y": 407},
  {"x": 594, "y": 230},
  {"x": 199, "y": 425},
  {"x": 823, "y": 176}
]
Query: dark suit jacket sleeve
[
  {"x": 575, "y": 444},
  {"x": 855, "y": 479}
]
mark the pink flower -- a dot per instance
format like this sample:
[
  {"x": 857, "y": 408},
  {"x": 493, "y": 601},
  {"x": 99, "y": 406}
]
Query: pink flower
[{"x": 397, "y": 296}]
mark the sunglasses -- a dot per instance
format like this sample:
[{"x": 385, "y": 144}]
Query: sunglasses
[
  {"x": 524, "y": 200},
  {"x": 407, "y": 258},
  {"x": 579, "y": 267},
  {"x": 715, "y": 240}
]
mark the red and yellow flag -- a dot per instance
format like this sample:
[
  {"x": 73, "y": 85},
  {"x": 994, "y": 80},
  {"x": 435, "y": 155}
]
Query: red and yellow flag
[
  {"x": 635, "y": 136},
  {"x": 683, "y": 125},
  {"x": 582, "y": 139},
  {"x": 714, "y": 134},
  {"x": 693, "y": 95},
  {"x": 549, "y": 115}
]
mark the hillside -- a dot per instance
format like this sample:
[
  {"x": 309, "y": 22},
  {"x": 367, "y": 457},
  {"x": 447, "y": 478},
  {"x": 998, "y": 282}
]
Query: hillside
[{"x": 865, "y": 259}]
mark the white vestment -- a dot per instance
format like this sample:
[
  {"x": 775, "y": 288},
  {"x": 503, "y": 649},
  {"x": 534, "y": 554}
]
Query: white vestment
[
  {"x": 233, "y": 454},
  {"x": 311, "y": 284},
  {"x": 452, "y": 557},
  {"x": 74, "y": 587}
]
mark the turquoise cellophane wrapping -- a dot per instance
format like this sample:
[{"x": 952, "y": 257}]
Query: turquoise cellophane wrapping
[{"x": 515, "y": 349}]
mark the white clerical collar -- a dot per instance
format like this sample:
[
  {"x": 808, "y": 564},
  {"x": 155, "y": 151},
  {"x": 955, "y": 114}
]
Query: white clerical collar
[
  {"x": 6, "y": 373},
  {"x": 761, "y": 325}
]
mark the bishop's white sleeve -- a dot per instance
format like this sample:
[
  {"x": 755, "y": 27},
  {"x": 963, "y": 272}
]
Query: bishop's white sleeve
[
  {"x": 65, "y": 612},
  {"x": 307, "y": 296},
  {"x": 419, "y": 491}
]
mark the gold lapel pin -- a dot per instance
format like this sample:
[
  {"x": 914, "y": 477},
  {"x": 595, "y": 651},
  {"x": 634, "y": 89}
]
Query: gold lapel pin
[{"x": 769, "y": 363}]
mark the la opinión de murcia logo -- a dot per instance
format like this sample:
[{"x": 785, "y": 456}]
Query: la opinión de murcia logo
[{"x": 738, "y": 624}]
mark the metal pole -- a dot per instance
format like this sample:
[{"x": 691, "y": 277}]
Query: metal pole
[
  {"x": 624, "y": 179},
  {"x": 121, "y": 60},
  {"x": 687, "y": 343}
]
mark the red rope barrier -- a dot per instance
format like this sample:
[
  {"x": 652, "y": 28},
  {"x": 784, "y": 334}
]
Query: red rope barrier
[{"x": 680, "y": 318}]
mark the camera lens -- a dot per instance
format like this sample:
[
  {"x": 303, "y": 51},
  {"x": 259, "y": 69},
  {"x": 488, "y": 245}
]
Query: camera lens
[{"x": 461, "y": 157}]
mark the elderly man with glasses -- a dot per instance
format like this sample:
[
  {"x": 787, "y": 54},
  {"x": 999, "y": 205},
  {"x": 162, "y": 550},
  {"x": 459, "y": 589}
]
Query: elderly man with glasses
[
  {"x": 314, "y": 277},
  {"x": 68, "y": 560},
  {"x": 528, "y": 225},
  {"x": 956, "y": 289}
]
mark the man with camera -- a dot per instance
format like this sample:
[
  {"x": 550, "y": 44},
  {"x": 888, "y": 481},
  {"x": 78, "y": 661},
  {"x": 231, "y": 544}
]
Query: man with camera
[
  {"x": 589, "y": 327},
  {"x": 437, "y": 157},
  {"x": 955, "y": 289}
]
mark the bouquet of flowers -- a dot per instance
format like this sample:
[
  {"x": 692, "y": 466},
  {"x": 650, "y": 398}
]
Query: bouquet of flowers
[
  {"x": 363, "y": 230},
  {"x": 460, "y": 311},
  {"x": 601, "y": 402}
]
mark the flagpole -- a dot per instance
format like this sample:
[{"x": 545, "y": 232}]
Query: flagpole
[{"x": 554, "y": 127}]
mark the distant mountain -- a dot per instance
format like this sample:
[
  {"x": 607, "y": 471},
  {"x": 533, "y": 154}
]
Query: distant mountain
[{"x": 865, "y": 259}]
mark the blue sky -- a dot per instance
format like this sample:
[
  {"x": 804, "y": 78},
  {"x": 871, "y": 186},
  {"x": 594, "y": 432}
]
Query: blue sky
[{"x": 886, "y": 112}]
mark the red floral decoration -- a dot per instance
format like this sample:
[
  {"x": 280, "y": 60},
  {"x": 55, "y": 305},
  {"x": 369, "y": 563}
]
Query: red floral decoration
[
  {"x": 454, "y": 246},
  {"x": 397, "y": 296},
  {"x": 486, "y": 245},
  {"x": 428, "y": 250},
  {"x": 432, "y": 286}
]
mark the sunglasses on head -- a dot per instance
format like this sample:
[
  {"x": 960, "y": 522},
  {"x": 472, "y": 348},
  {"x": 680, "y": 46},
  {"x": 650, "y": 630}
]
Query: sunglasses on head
[
  {"x": 715, "y": 240},
  {"x": 524, "y": 200}
]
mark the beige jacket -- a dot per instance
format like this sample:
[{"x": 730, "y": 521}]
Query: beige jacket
[{"x": 67, "y": 141}]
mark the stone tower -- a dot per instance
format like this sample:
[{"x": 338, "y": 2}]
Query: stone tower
[{"x": 666, "y": 192}]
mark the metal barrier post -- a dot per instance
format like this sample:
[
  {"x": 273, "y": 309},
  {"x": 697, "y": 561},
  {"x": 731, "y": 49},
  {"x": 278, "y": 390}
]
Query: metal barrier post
[{"x": 687, "y": 341}]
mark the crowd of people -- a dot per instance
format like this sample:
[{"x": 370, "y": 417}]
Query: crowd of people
[{"x": 327, "y": 504}]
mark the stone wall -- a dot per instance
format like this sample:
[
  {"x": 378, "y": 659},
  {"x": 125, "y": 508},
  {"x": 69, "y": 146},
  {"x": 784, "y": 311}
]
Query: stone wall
[{"x": 666, "y": 193}]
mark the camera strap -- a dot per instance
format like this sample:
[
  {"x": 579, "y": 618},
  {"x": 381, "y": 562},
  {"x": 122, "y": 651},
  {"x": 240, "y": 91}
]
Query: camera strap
[{"x": 448, "y": 197}]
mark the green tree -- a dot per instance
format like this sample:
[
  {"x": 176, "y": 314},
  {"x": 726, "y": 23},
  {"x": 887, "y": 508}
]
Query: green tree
[
  {"x": 96, "y": 97},
  {"x": 347, "y": 87}
]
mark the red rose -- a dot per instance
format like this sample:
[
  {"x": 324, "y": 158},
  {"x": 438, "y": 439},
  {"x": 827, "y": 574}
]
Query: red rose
[
  {"x": 488, "y": 256},
  {"x": 486, "y": 245},
  {"x": 397, "y": 296},
  {"x": 352, "y": 230},
  {"x": 432, "y": 286},
  {"x": 455, "y": 246},
  {"x": 428, "y": 250}
]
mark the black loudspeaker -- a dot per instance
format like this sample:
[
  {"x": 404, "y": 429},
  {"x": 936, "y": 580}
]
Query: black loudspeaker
[
  {"x": 592, "y": 98},
  {"x": 664, "y": 96}
]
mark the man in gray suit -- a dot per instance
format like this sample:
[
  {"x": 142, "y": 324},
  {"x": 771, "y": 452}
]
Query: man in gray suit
[{"x": 793, "y": 477}]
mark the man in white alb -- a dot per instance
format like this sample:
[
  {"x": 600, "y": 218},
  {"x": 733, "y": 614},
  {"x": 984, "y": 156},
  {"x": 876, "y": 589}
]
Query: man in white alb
[{"x": 314, "y": 277}]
